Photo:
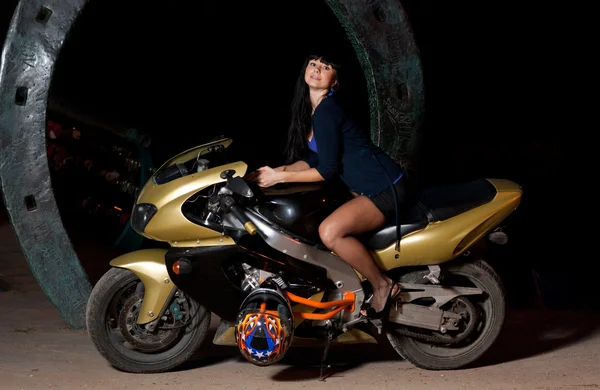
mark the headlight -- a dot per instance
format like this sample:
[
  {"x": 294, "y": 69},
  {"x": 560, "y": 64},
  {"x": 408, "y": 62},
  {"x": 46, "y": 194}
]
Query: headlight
[{"x": 142, "y": 214}]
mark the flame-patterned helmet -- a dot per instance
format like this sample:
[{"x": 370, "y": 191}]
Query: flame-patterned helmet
[{"x": 265, "y": 326}]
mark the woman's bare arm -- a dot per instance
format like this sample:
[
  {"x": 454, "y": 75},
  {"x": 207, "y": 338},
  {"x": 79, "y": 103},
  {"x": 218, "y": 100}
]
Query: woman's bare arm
[
  {"x": 298, "y": 166},
  {"x": 310, "y": 175}
]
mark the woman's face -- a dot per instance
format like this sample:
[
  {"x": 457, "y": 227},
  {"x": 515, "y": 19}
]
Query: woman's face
[{"x": 319, "y": 75}]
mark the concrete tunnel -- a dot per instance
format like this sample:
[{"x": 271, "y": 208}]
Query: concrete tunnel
[{"x": 378, "y": 32}]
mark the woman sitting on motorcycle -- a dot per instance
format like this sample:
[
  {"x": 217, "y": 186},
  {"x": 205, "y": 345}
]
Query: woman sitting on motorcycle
[{"x": 324, "y": 142}]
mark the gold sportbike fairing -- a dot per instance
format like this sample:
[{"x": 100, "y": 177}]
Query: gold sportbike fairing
[
  {"x": 442, "y": 241},
  {"x": 169, "y": 224},
  {"x": 436, "y": 243}
]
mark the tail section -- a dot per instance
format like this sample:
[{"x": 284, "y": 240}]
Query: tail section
[{"x": 458, "y": 216}]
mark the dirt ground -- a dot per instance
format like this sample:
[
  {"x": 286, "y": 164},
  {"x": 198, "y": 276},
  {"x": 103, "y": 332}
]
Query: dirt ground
[{"x": 538, "y": 350}]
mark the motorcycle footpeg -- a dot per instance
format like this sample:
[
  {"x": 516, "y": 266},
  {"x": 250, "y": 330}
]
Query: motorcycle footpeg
[{"x": 378, "y": 324}]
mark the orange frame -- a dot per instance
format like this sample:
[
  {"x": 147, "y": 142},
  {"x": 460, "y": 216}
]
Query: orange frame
[{"x": 346, "y": 303}]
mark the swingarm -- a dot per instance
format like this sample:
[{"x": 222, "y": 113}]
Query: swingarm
[{"x": 429, "y": 317}]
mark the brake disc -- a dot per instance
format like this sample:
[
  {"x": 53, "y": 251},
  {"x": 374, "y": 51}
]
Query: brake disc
[{"x": 137, "y": 335}]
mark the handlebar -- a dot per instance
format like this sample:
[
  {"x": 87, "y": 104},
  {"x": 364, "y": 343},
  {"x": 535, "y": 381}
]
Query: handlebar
[
  {"x": 238, "y": 186},
  {"x": 237, "y": 212},
  {"x": 248, "y": 224}
]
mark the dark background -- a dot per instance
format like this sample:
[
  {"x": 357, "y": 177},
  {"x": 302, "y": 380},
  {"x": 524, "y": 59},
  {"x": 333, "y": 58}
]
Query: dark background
[{"x": 185, "y": 71}]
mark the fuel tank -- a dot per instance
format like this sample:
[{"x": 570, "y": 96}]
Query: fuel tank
[{"x": 299, "y": 208}]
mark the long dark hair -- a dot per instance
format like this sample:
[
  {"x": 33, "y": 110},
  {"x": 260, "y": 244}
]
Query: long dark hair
[{"x": 301, "y": 123}]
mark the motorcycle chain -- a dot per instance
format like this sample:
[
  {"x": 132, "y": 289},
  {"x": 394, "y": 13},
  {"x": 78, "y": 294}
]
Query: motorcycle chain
[{"x": 442, "y": 340}]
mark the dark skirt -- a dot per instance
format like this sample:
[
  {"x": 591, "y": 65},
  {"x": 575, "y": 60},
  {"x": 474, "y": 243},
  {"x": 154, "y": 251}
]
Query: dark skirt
[{"x": 385, "y": 200}]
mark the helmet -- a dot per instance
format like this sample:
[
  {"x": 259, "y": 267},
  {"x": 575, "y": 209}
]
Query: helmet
[{"x": 265, "y": 326}]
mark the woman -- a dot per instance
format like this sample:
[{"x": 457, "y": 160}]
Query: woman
[{"x": 324, "y": 142}]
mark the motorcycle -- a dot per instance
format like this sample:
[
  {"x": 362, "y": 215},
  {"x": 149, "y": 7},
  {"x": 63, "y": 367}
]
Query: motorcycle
[{"x": 252, "y": 256}]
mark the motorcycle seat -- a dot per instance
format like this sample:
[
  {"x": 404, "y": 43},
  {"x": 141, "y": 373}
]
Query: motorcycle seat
[
  {"x": 435, "y": 204},
  {"x": 444, "y": 202},
  {"x": 413, "y": 220}
]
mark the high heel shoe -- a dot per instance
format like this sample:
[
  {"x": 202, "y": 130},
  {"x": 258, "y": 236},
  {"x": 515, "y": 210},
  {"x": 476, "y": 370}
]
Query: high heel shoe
[{"x": 371, "y": 314}]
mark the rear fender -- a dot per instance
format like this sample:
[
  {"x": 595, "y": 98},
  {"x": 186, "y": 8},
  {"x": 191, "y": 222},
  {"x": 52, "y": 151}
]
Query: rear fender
[{"x": 149, "y": 266}]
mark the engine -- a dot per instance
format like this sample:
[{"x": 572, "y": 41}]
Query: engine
[{"x": 253, "y": 277}]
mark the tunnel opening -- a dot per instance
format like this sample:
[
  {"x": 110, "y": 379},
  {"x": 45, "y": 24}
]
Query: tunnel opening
[
  {"x": 378, "y": 31},
  {"x": 179, "y": 73}
]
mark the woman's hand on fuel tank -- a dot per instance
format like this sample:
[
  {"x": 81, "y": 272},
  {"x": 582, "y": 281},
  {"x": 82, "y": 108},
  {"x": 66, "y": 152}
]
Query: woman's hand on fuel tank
[{"x": 267, "y": 176}]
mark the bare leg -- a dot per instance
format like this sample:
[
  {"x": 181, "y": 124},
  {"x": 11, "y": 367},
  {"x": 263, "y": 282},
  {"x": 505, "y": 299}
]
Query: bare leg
[{"x": 357, "y": 216}]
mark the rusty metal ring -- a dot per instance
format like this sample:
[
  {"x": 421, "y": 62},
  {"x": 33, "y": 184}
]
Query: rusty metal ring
[{"x": 378, "y": 30}]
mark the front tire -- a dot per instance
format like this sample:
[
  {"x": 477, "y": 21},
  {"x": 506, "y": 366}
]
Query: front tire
[
  {"x": 491, "y": 308},
  {"x": 110, "y": 319}
]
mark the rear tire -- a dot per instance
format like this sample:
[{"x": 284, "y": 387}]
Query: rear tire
[
  {"x": 105, "y": 303},
  {"x": 492, "y": 308}
]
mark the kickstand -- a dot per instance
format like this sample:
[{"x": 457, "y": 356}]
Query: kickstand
[{"x": 324, "y": 357}]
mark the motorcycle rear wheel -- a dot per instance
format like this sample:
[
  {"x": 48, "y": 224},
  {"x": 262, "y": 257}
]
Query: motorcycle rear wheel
[
  {"x": 492, "y": 312},
  {"x": 115, "y": 292}
]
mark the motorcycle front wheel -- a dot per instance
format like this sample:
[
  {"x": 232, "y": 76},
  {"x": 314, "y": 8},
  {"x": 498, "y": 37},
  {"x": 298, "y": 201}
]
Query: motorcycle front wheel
[
  {"x": 483, "y": 318},
  {"x": 111, "y": 315}
]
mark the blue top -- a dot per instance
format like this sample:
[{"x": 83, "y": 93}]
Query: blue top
[
  {"x": 312, "y": 144},
  {"x": 345, "y": 151}
]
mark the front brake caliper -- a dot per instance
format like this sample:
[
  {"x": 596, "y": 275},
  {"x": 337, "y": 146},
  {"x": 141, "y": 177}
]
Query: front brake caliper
[{"x": 176, "y": 311}]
